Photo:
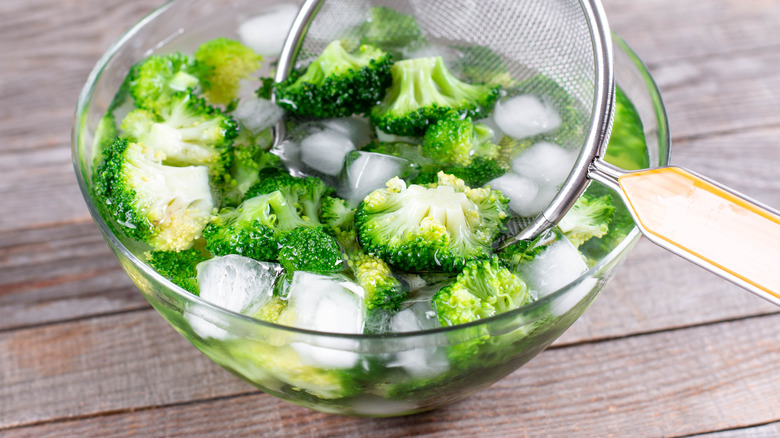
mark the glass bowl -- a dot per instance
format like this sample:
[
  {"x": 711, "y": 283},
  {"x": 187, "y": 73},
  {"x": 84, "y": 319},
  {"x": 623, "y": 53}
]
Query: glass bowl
[{"x": 369, "y": 375}]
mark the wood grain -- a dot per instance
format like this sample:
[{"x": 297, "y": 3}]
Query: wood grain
[
  {"x": 626, "y": 387},
  {"x": 771, "y": 430}
]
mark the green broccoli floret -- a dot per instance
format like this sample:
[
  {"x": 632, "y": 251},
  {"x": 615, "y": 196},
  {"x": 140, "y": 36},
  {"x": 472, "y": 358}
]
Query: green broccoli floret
[
  {"x": 266, "y": 88},
  {"x": 153, "y": 81},
  {"x": 523, "y": 251},
  {"x": 186, "y": 132},
  {"x": 391, "y": 31},
  {"x": 627, "y": 148},
  {"x": 484, "y": 288},
  {"x": 479, "y": 172},
  {"x": 310, "y": 249},
  {"x": 303, "y": 195},
  {"x": 163, "y": 205},
  {"x": 619, "y": 227},
  {"x": 456, "y": 140},
  {"x": 178, "y": 266},
  {"x": 382, "y": 290},
  {"x": 588, "y": 217},
  {"x": 250, "y": 229},
  {"x": 423, "y": 91},
  {"x": 436, "y": 227},
  {"x": 226, "y": 62},
  {"x": 481, "y": 64},
  {"x": 338, "y": 83},
  {"x": 251, "y": 162}
]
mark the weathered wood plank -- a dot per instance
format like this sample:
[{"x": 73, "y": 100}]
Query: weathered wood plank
[
  {"x": 666, "y": 30},
  {"x": 666, "y": 384},
  {"x": 58, "y": 273}
]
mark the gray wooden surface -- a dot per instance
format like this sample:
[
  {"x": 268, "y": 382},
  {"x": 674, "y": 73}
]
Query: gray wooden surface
[{"x": 667, "y": 350}]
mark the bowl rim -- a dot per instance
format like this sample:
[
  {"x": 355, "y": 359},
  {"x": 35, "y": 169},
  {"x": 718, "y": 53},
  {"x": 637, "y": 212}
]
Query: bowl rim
[{"x": 84, "y": 99}]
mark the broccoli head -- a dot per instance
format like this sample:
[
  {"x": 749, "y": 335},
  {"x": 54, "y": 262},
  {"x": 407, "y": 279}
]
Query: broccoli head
[
  {"x": 164, "y": 206},
  {"x": 310, "y": 249},
  {"x": 484, "y": 288},
  {"x": 479, "y": 172},
  {"x": 251, "y": 162},
  {"x": 522, "y": 251},
  {"x": 302, "y": 198},
  {"x": 248, "y": 230},
  {"x": 423, "y": 91},
  {"x": 338, "y": 83},
  {"x": 627, "y": 148},
  {"x": 391, "y": 31},
  {"x": 434, "y": 227},
  {"x": 153, "y": 81},
  {"x": 588, "y": 217},
  {"x": 456, "y": 140},
  {"x": 186, "y": 132},
  {"x": 226, "y": 62},
  {"x": 178, "y": 266}
]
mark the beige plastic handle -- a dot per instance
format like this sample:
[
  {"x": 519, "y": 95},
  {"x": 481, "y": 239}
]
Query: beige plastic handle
[{"x": 709, "y": 225}]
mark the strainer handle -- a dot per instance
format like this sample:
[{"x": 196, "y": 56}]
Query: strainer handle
[{"x": 708, "y": 224}]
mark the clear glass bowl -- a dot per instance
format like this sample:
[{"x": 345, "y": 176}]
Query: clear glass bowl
[{"x": 372, "y": 375}]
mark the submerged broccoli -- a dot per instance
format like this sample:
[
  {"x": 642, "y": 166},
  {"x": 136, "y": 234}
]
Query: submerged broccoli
[
  {"x": 309, "y": 249},
  {"x": 251, "y": 162},
  {"x": 382, "y": 290},
  {"x": 178, "y": 266},
  {"x": 338, "y": 83},
  {"x": 484, "y": 288},
  {"x": 588, "y": 217},
  {"x": 186, "y": 132},
  {"x": 458, "y": 141},
  {"x": 391, "y": 31},
  {"x": 153, "y": 81},
  {"x": 435, "y": 227},
  {"x": 302, "y": 196},
  {"x": 423, "y": 91},
  {"x": 250, "y": 229},
  {"x": 627, "y": 148},
  {"x": 164, "y": 206},
  {"x": 479, "y": 172},
  {"x": 225, "y": 62},
  {"x": 523, "y": 251}
]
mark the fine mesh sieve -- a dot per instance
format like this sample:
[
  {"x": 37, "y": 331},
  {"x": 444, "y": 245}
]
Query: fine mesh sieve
[
  {"x": 544, "y": 45},
  {"x": 565, "y": 44}
]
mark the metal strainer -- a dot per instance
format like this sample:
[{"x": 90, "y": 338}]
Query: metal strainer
[{"x": 568, "y": 43}]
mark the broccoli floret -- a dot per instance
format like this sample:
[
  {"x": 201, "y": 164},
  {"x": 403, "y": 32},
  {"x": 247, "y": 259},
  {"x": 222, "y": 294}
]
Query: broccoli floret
[
  {"x": 458, "y": 141},
  {"x": 266, "y": 88},
  {"x": 303, "y": 196},
  {"x": 479, "y": 172},
  {"x": 163, "y": 205},
  {"x": 382, "y": 290},
  {"x": 627, "y": 148},
  {"x": 226, "y": 63},
  {"x": 524, "y": 251},
  {"x": 153, "y": 81},
  {"x": 391, "y": 31},
  {"x": 338, "y": 83},
  {"x": 482, "y": 65},
  {"x": 178, "y": 266},
  {"x": 484, "y": 288},
  {"x": 251, "y": 162},
  {"x": 186, "y": 132},
  {"x": 588, "y": 217},
  {"x": 621, "y": 224},
  {"x": 310, "y": 249},
  {"x": 423, "y": 91},
  {"x": 248, "y": 230},
  {"x": 436, "y": 227}
]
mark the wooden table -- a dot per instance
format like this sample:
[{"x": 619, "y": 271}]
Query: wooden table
[{"x": 667, "y": 350}]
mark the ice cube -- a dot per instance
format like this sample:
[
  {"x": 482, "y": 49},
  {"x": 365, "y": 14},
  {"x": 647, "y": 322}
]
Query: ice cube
[
  {"x": 525, "y": 116},
  {"x": 324, "y": 151},
  {"x": 237, "y": 283},
  {"x": 546, "y": 163},
  {"x": 521, "y": 191},
  {"x": 554, "y": 268},
  {"x": 326, "y": 304},
  {"x": 265, "y": 33},
  {"x": 257, "y": 114},
  {"x": 418, "y": 361},
  {"x": 384, "y": 137},
  {"x": 354, "y": 128},
  {"x": 365, "y": 172}
]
